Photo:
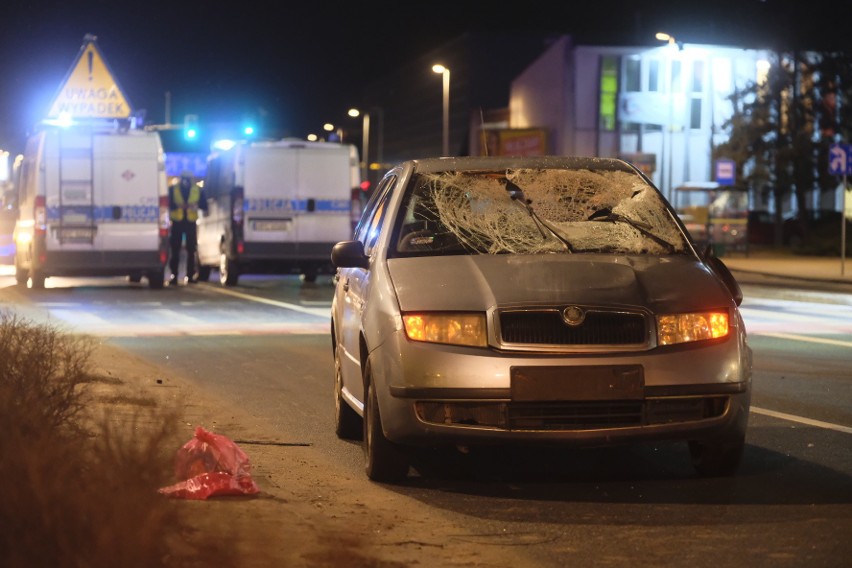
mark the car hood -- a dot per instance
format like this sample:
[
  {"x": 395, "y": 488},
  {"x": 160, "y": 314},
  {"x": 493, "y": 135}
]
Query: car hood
[{"x": 480, "y": 282}]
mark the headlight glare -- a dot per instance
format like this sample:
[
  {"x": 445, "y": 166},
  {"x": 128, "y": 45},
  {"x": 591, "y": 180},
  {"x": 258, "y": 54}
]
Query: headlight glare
[
  {"x": 698, "y": 326},
  {"x": 449, "y": 328}
]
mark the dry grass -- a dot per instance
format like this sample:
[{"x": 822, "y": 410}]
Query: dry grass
[{"x": 78, "y": 478}]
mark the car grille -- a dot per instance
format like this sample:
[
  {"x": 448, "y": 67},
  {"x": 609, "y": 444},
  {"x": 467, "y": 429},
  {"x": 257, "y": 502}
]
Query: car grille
[
  {"x": 546, "y": 327},
  {"x": 565, "y": 416}
]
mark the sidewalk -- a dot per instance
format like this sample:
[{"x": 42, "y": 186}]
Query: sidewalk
[{"x": 781, "y": 266}]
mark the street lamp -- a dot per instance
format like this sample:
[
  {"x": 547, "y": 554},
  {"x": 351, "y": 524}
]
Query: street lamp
[
  {"x": 440, "y": 69},
  {"x": 663, "y": 36}
]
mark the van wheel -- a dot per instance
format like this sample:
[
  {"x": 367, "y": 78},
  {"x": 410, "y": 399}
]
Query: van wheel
[
  {"x": 310, "y": 274},
  {"x": 203, "y": 273},
  {"x": 135, "y": 278},
  {"x": 37, "y": 280},
  {"x": 156, "y": 279},
  {"x": 228, "y": 274},
  {"x": 21, "y": 275}
]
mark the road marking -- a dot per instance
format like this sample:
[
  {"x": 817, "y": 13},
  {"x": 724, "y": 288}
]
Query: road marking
[
  {"x": 322, "y": 313},
  {"x": 802, "y": 420},
  {"x": 823, "y": 340}
]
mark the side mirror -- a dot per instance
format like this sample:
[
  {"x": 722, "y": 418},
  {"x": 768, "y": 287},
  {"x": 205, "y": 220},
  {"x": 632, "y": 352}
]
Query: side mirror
[
  {"x": 349, "y": 254},
  {"x": 724, "y": 273}
]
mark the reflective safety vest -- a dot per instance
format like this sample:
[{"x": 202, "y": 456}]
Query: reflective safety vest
[{"x": 192, "y": 203}]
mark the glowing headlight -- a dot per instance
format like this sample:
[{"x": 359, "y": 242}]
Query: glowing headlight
[
  {"x": 681, "y": 328},
  {"x": 453, "y": 329}
]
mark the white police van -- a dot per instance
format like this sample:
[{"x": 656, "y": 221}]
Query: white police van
[
  {"x": 277, "y": 207},
  {"x": 92, "y": 201}
]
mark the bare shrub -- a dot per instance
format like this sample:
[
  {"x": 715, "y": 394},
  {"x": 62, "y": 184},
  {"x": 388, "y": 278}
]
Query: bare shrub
[{"x": 78, "y": 481}]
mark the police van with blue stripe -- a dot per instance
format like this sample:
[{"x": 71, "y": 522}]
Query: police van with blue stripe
[
  {"x": 277, "y": 207},
  {"x": 93, "y": 201}
]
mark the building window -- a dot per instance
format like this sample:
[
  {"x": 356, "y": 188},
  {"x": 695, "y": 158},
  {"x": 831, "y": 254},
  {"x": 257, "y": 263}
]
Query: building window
[
  {"x": 676, "y": 85},
  {"x": 633, "y": 75},
  {"x": 608, "y": 92},
  {"x": 653, "y": 75},
  {"x": 697, "y": 76},
  {"x": 695, "y": 113}
]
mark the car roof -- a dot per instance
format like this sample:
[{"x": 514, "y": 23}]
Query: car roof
[{"x": 465, "y": 163}]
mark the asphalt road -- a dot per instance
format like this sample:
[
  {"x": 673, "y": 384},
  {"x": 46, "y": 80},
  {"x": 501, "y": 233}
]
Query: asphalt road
[{"x": 264, "y": 345}]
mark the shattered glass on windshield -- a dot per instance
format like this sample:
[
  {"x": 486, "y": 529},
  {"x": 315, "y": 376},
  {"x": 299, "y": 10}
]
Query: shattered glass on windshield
[{"x": 535, "y": 211}]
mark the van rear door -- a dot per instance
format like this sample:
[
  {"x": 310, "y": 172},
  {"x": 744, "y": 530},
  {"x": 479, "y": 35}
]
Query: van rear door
[
  {"x": 270, "y": 193},
  {"x": 74, "y": 201},
  {"x": 128, "y": 168},
  {"x": 324, "y": 195}
]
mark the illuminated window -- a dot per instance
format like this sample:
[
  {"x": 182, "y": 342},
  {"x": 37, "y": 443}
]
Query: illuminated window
[{"x": 608, "y": 93}]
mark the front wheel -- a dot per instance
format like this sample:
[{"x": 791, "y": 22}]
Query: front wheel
[
  {"x": 717, "y": 457},
  {"x": 228, "y": 271},
  {"x": 347, "y": 423},
  {"x": 384, "y": 461}
]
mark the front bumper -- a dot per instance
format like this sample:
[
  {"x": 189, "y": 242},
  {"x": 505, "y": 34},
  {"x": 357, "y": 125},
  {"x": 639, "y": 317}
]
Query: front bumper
[{"x": 435, "y": 394}]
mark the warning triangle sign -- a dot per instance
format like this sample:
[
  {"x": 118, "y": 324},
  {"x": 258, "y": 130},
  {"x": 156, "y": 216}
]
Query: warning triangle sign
[{"x": 89, "y": 89}]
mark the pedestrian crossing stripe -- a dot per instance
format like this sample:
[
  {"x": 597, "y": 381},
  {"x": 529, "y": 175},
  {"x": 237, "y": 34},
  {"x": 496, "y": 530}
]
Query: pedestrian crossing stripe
[{"x": 90, "y": 90}]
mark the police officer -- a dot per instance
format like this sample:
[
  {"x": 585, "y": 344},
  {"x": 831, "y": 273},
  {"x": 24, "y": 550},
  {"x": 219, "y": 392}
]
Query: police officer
[{"x": 186, "y": 198}]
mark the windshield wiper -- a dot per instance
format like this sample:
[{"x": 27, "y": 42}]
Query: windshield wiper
[
  {"x": 606, "y": 215},
  {"x": 517, "y": 194}
]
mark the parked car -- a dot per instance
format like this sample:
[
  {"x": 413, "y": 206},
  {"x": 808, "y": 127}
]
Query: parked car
[{"x": 493, "y": 300}]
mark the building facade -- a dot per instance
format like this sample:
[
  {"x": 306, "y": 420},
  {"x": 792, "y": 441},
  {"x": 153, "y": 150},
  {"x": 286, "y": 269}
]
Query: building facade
[{"x": 663, "y": 108}]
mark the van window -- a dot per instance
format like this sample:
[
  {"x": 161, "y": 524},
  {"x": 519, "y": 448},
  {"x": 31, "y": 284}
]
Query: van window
[{"x": 213, "y": 183}]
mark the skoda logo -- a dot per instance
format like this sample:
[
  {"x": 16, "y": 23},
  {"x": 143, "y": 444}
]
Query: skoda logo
[{"x": 573, "y": 316}]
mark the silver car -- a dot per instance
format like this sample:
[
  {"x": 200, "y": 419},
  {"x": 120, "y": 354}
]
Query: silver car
[{"x": 494, "y": 300}]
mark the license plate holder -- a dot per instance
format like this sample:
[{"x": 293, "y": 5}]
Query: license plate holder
[{"x": 578, "y": 383}]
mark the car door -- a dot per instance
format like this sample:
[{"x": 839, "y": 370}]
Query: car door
[{"x": 351, "y": 287}]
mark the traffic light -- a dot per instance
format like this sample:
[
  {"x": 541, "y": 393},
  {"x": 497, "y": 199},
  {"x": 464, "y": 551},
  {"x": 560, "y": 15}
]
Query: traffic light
[{"x": 190, "y": 126}]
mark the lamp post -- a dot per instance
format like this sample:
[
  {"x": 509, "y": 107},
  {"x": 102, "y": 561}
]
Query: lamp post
[
  {"x": 668, "y": 160},
  {"x": 438, "y": 68},
  {"x": 365, "y": 140}
]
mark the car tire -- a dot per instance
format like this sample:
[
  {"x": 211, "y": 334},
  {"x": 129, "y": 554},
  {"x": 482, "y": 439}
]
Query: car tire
[
  {"x": 384, "y": 462},
  {"x": 717, "y": 457},
  {"x": 347, "y": 423},
  {"x": 228, "y": 274},
  {"x": 134, "y": 277}
]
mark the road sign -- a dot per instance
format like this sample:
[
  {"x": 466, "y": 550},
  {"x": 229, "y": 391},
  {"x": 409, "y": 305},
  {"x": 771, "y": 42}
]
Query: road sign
[
  {"x": 726, "y": 172},
  {"x": 840, "y": 159},
  {"x": 89, "y": 89}
]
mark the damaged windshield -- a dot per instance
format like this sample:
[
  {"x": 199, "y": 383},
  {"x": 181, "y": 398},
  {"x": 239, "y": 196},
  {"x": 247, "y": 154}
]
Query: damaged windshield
[{"x": 536, "y": 211}]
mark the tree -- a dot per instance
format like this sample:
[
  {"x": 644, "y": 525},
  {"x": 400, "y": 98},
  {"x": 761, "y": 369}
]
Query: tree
[{"x": 783, "y": 124}]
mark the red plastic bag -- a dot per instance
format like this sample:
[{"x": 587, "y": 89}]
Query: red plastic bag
[{"x": 211, "y": 464}]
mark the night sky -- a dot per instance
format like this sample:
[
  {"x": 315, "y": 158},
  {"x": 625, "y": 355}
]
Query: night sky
[{"x": 299, "y": 64}]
